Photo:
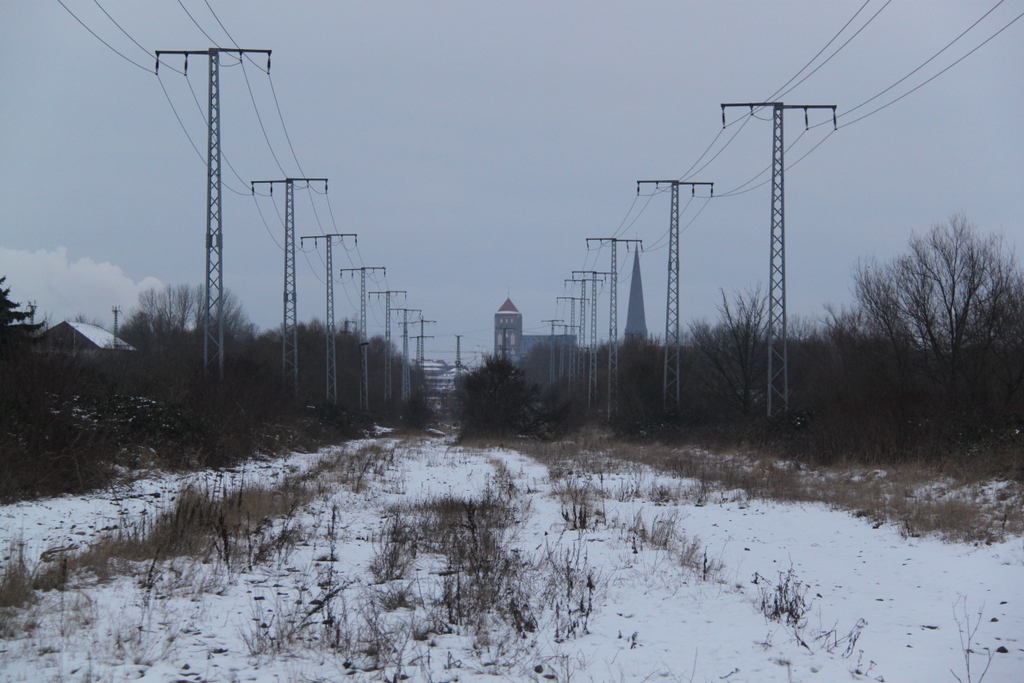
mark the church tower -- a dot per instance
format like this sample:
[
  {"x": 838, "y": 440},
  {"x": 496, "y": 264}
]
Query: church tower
[
  {"x": 636, "y": 320},
  {"x": 508, "y": 331}
]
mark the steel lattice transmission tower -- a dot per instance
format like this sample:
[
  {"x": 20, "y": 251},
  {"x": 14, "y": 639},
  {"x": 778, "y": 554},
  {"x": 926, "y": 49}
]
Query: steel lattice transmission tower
[
  {"x": 364, "y": 341},
  {"x": 592, "y": 278},
  {"x": 613, "y": 318},
  {"x": 406, "y": 389},
  {"x": 213, "y": 305},
  {"x": 387, "y": 339},
  {"x": 551, "y": 350},
  {"x": 671, "y": 379},
  {"x": 574, "y": 349},
  {"x": 419, "y": 341},
  {"x": 331, "y": 364},
  {"x": 582, "y": 342},
  {"x": 289, "y": 329},
  {"x": 778, "y": 353}
]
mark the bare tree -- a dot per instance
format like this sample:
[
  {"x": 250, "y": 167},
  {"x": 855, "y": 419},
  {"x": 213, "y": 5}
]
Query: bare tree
[
  {"x": 166, "y": 317},
  {"x": 943, "y": 306},
  {"x": 734, "y": 351}
]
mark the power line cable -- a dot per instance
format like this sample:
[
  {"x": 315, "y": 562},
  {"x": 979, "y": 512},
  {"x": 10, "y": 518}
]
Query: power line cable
[
  {"x": 260, "y": 119},
  {"x": 180, "y": 123},
  {"x": 764, "y": 170},
  {"x": 782, "y": 87},
  {"x": 265, "y": 224},
  {"x": 309, "y": 263},
  {"x": 872, "y": 18},
  {"x": 109, "y": 46},
  {"x": 208, "y": 36},
  {"x": 737, "y": 191},
  {"x": 926, "y": 82},
  {"x": 287, "y": 137},
  {"x": 273, "y": 91},
  {"x": 192, "y": 142},
  {"x": 745, "y": 120},
  {"x": 114, "y": 21},
  {"x": 657, "y": 245},
  {"x": 202, "y": 114}
]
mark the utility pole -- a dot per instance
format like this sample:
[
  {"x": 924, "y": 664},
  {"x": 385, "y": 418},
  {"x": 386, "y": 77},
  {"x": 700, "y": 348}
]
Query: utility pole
[
  {"x": 582, "y": 342},
  {"x": 406, "y": 389},
  {"x": 573, "y": 350},
  {"x": 116, "y": 310},
  {"x": 592, "y": 376},
  {"x": 561, "y": 353},
  {"x": 613, "y": 318},
  {"x": 458, "y": 355},
  {"x": 331, "y": 365},
  {"x": 387, "y": 339},
  {"x": 419, "y": 341},
  {"x": 551, "y": 350},
  {"x": 289, "y": 329},
  {"x": 364, "y": 341},
  {"x": 213, "y": 306},
  {"x": 671, "y": 376},
  {"x": 778, "y": 354}
]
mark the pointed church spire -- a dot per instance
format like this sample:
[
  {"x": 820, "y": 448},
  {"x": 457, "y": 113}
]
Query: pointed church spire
[{"x": 636, "y": 320}]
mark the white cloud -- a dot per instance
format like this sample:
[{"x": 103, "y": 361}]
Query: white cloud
[{"x": 63, "y": 289}]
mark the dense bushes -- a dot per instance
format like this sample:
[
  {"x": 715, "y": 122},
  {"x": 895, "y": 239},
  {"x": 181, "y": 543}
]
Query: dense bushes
[
  {"x": 497, "y": 400},
  {"x": 69, "y": 421}
]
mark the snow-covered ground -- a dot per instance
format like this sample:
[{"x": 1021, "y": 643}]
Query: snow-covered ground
[{"x": 676, "y": 589}]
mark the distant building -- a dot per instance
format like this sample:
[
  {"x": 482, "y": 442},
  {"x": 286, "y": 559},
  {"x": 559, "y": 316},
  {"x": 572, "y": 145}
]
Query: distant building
[
  {"x": 439, "y": 376},
  {"x": 509, "y": 340},
  {"x": 72, "y": 337},
  {"x": 508, "y": 331}
]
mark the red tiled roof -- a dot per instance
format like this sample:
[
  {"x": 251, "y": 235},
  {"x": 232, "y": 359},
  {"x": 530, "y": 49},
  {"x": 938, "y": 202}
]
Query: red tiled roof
[{"x": 508, "y": 307}]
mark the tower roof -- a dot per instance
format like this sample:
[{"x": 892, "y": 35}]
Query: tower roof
[
  {"x": 636, "y": 321},
  {"x": 508, "y": 307}
]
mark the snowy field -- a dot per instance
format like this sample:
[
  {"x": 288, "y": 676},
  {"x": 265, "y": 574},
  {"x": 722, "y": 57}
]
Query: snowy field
[{"x": 620, "y": 576}]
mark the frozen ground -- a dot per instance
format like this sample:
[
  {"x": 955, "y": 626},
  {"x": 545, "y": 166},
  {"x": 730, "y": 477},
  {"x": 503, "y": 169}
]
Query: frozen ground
[{"x": 674, "y": 589}]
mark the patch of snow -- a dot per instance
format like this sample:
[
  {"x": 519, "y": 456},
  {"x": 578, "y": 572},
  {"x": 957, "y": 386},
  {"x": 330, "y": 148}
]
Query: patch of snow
[{"x": 653, "y": 619}]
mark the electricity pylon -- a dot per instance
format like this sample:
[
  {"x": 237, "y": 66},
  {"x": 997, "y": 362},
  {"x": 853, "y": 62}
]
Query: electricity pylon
[
  {"x": 582, "y": 341},
  {"x": 331, "y": 365},
  {"x": 419, "y": 341},
  {"x": 561, "y": 352},
  {"x": 289, "y": 329},
  {"x": 406, "y": 389},
  {"x": 671, "y": 376},
  {"x": 213, "y": 304},
  {"x": 387, "y": 339},
  {"x": 458, "y": 355},
  {"x": 116, "y": 310},
  {"x": 778, "y": 354},
  {"x": 592, "y": 375},
  {"x": 364, "y": 341},
  {"x": 573, "y": 350},
  {"x": 551, "y": 350},
  {"x": 613, "y": 319}
]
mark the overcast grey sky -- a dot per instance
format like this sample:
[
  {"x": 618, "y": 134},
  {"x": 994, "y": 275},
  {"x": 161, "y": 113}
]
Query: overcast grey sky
[{"x": 473, "y": 147}]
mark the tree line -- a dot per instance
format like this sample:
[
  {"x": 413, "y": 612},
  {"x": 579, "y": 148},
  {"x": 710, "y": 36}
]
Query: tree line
[
  {"x": 69, "y": 422},
  {"x": 926, "y": 362}
]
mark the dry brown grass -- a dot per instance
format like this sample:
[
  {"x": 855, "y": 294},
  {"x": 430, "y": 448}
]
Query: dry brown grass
[
  {"x": 352, "y": 468},
  {"x": 15, "y": 588},
  {"x": 920, "y": 498},
  {"x": 239, "y": 528}
]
